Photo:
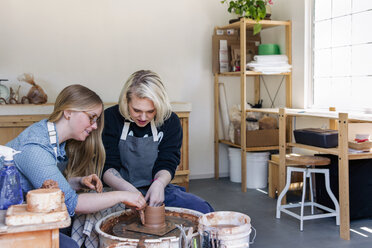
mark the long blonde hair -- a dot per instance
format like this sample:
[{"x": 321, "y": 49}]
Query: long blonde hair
[
  {"x": 84, "y": 157},
  {"x": 146, "y": 84}
]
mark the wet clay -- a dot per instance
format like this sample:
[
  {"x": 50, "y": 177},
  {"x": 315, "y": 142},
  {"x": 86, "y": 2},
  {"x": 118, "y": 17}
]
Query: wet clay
[
  {"x": 155, "y": 216},
  {"x": 50, "y": 184}
]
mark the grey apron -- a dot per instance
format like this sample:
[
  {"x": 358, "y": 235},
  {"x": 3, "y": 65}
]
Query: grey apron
[{"x": 138, "y": 156}]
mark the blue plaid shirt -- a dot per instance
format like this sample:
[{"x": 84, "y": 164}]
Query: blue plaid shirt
[{"x": 38, "y": 162}]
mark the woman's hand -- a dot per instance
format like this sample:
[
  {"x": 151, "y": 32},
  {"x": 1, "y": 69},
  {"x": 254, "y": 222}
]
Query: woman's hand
[
  {"x": 92, "y": 182},
  {"x": 155, "y": 194},
  {"x": 134, "y": 200}
]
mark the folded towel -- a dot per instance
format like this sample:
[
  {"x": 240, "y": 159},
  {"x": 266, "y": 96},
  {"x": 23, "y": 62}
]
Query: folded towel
[
  {"x": 272, "y": 72},
  {"x": 83, "y": 225},
  {"x": 272, "y": 64},
  {"x": 271, "y": 68},
  {"x": 271, "y": 58}
]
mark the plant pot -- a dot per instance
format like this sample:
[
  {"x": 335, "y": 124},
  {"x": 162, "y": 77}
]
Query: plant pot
[
  {"x": 234, "y": 20},
  {"x": 268, "y": 12}
]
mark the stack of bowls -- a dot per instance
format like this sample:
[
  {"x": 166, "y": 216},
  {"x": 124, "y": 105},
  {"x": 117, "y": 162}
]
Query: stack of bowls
[{"x": 268, "y": 49}]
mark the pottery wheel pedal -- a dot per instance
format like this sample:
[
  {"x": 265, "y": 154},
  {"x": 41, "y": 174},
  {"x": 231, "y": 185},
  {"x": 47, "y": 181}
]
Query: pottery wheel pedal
[{"x": 136, "y": 226}]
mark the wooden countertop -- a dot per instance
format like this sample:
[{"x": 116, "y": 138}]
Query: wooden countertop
[
  {"x": 352, "y": 116},
  {"x": 47, "y": 108}
]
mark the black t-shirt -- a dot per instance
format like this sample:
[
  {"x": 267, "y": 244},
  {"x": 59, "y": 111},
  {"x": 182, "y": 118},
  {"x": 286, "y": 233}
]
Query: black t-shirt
[{"x": 170, "y": 140}]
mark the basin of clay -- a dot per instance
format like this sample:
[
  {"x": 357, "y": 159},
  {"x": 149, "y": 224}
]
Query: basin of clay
[{"x": 129, "y": 239}]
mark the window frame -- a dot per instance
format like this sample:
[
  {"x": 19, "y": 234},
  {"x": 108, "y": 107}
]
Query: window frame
[{"x": 310, "y": 27}]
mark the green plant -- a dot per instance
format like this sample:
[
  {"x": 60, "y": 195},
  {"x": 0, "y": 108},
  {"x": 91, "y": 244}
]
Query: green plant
[{"x": 254, "y": 9}]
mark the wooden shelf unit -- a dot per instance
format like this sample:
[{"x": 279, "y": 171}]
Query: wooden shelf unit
[{"x": 243, "y": 25}]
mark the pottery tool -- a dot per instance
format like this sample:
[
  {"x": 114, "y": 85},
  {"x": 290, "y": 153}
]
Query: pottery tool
[{"x": 142, "y": 216}]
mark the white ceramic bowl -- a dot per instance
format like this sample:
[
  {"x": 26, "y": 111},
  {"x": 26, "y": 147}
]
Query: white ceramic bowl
[{"x": 361, "y": 136}]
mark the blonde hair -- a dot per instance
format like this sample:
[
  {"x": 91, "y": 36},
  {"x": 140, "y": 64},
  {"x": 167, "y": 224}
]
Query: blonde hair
[
  {"x": 84, "y": 157},
  {"x": 146, "y": 84}
]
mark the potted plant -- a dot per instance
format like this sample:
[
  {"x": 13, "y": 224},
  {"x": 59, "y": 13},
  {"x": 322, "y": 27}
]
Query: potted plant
[{"x": 253, "y": 9}]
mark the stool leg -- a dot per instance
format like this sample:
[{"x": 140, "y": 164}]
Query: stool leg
[
  {"x": 311, "y": 191},
  {"x": 328, "y": 188},
  {"x": 282, "y": 194},
  {"x": 303, "y": 201}
]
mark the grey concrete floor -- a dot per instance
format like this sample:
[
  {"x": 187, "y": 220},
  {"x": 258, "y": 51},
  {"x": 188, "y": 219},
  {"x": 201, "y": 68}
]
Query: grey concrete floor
[{"x": 224, "y": 195}]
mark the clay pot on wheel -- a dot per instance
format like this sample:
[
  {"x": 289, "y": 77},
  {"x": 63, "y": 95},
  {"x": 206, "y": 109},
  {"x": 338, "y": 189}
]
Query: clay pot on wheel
[{"x": 155, "y": 216}]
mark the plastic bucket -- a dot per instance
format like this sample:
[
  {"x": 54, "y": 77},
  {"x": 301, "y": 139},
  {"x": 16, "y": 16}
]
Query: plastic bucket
[
  {"x": 257, "y": 163},
  {"x": 235, "y": 168},
  {"x": 225, "y": 229},
  {"x": 257, "y": 169}
]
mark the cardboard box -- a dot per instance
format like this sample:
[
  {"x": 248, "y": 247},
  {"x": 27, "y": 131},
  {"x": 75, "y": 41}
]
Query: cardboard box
[{"x": 255, "y": 138}]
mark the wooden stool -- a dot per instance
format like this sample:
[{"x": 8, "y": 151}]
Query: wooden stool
[
  {"x": 306, "y": 163},
  {"x": 273, "y": 178}
]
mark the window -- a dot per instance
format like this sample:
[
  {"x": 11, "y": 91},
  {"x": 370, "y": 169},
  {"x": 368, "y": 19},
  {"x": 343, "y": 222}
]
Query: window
[{"x": 342, "y": 54}]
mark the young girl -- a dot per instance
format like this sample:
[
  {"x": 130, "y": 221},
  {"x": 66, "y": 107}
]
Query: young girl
[{"x": 67, "y": 148}]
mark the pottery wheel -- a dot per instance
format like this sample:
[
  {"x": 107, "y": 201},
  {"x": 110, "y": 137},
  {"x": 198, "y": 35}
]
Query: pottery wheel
[{"x": 122, "y": 230}]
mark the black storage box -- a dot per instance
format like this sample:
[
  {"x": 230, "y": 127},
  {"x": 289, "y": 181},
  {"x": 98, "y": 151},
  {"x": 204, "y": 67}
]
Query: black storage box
[
  {"x": 360, "y": 186},
  {"x": 326, "y": 138}
]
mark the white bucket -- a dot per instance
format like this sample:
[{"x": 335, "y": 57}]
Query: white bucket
[
  {"x": 225, "y": 229},
  {"x": 235, "y": 167},
  {"x": 256, "y": 168}
]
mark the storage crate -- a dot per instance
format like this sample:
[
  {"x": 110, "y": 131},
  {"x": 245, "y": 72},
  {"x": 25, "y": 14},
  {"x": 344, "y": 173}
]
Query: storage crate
[{"x": 326, "y": 138}]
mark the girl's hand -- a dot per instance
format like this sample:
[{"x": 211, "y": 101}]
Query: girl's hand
[
  {"x": 134, "y": 200},
  {"x": 92, "y": 182}
]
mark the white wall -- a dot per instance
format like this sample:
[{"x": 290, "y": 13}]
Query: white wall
[
  {"x": 100, "y": 43},
  {"x": 293, "y": 10}
]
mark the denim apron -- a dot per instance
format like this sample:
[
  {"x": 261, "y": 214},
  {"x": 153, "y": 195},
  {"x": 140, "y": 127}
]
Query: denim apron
[{"x": 138, "y": 156}]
